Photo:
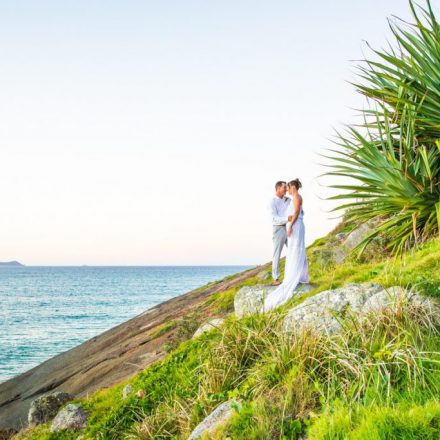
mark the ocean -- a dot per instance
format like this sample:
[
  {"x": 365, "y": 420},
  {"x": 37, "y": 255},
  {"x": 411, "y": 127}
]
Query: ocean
[{"x": 47, "y": 310}]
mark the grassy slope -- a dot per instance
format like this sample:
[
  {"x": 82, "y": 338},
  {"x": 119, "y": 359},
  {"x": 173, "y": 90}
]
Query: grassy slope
[{"x": 384, "y": 388}]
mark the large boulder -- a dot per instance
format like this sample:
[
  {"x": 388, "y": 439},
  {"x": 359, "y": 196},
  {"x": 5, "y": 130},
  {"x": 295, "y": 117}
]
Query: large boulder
[
  {"x": 250, "y": 299},
  {"x": 219, "y": 416},
  {"x": 392, "y": 296},
  {"x": 207, "y": 326},
  {"x": 72, "y": 417},
  {"x": 321, "y": 312},
  {"x": 46, "y": 407}
]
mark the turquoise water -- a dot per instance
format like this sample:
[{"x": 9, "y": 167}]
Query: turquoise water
[{"x": 47, "y": 310}]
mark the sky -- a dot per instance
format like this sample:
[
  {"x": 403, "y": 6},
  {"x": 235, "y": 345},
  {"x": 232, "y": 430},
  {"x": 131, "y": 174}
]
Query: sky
[{"x": 152, "y": 132}]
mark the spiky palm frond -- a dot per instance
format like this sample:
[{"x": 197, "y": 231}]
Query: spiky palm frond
[
  {"x": 395, "y": 180},
  {"x": 393, "y": 161},
  {"x": 409, "y": 75}
]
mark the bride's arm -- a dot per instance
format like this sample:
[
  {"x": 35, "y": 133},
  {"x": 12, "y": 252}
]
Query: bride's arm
[
  {"x": 292, "y": 218},
  {"x": 296, "y": 207}
]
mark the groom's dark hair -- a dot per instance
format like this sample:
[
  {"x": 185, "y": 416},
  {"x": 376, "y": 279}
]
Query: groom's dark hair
[{"x": 279, "y": 183}]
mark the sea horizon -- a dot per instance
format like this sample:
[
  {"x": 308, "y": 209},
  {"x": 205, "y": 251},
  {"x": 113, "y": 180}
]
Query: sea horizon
[{"x": 132, "y": 265}]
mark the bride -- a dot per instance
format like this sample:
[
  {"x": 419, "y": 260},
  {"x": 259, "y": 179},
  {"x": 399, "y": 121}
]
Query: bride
[{"x": 296, "y": 269}]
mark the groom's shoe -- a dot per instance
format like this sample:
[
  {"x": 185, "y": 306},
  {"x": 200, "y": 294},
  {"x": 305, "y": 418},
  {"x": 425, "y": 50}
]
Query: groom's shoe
[{"x": 276, "y": 283}]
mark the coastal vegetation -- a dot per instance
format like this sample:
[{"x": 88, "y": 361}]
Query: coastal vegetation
[
  {"x": 378, "y": 378},
  {"x": 392, "y": 161}
]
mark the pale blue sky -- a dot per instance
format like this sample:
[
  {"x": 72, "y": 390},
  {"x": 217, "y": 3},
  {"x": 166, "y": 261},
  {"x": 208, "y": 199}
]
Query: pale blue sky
[{"x": 151, "y": 132}]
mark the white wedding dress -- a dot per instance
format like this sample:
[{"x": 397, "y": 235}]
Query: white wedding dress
[{"x": 296, "y": 269}]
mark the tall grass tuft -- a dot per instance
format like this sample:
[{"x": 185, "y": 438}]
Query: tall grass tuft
[{"x": 285, "y": 380}]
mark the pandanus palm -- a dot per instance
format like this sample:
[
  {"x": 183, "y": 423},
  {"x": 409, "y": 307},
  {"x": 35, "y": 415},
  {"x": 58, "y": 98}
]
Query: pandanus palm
[
  {"x": 393, "y": 161},
  {"x": 408, "y": 75}
]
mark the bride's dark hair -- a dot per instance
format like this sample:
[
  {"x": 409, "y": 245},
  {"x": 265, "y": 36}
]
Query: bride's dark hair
[{"x": 296, "y": 183}]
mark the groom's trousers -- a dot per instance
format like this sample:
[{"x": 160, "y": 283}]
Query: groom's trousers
[{"x": 279, "y": 238}]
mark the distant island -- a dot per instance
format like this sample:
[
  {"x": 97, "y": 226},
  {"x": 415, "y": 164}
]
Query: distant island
[{"x": 11, "y": 264}]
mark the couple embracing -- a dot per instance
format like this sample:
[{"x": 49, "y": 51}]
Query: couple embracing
[{"x": 288, "y": 229}]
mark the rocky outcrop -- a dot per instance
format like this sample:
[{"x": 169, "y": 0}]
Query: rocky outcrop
[
  {"x": 219, "y": 416},
  {"x": 322, "y": 312},
  {"x": 72, "y": 417},
  {"x": 207, "y": 326},
  {"x": 46, "y": 407},
  {"x": 250, "y": 299},
  {"x": 11, "y": 264},
  {"x": 348, "y": 241},
  {"x": 356, "y": 236}
]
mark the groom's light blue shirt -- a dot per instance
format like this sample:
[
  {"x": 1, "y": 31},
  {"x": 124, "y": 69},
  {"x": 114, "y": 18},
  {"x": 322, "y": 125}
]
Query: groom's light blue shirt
[{"x": 278, "y": 208}]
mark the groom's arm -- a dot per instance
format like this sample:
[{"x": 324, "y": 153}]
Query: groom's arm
[{"x": 276, "y": 219}]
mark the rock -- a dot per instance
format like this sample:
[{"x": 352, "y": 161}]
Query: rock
[
  {"x": 320, "y": 312},
  {"x": 7, "y": 433},
  {"x": 140, "y": 394},
  {"x": 72, "y": 417},
  {"x": 219, "y": 416},
  {"x": 340, "y": 236},
  {"x": 207, "y": 326},
  {"x": 263, "y": 275},
  {"x": 46, "y": 407},
  {"x": 127, "y": 390},
  {"x": 338, "y": 254},
  {"x": 250, "y": 299},
  {"x": 391, "y": 296},
  {"x": 329, "y": 255},
  {"x": 357, "y": 235}
]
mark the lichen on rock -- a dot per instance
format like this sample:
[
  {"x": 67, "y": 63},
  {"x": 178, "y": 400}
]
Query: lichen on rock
[
  {"x": 249, "y": 300},
  {"x": 127, "y": 390},
  {"x": 71, "y": 417},
  {"x": 44, "y": 408},
  {"x": 393, "y": 296},
  {"x": 320, "y": 312}
]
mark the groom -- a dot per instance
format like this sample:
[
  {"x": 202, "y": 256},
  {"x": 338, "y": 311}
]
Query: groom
[{"x": 278, "y": 206}]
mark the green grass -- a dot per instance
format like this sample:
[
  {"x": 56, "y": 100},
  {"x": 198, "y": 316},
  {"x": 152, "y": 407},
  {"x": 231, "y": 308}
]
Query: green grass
[
  {"x": 418, "y": 269},
  {"x": 376, "y": 422}
]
